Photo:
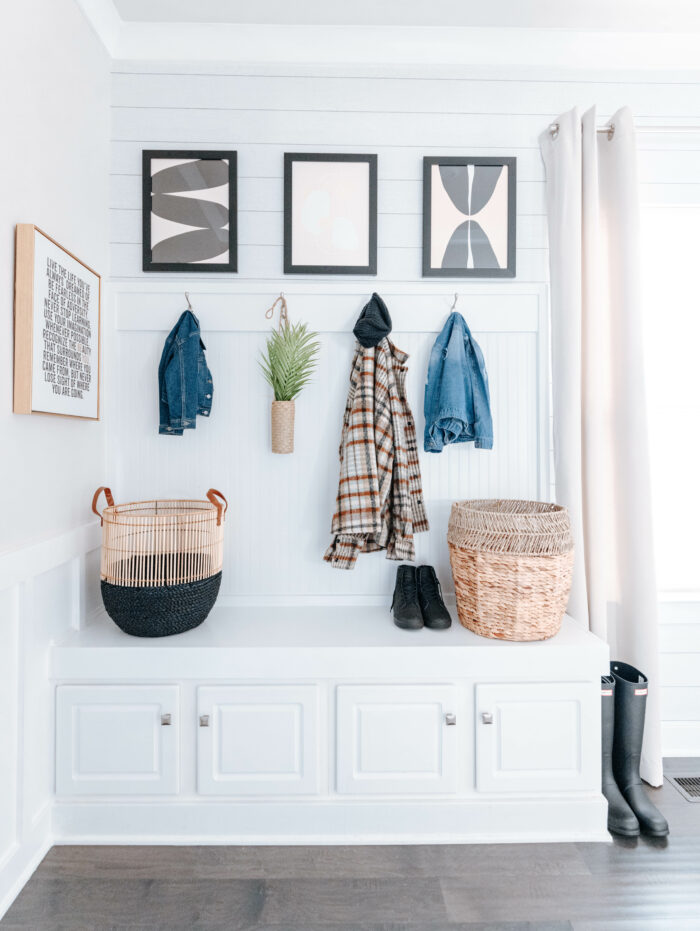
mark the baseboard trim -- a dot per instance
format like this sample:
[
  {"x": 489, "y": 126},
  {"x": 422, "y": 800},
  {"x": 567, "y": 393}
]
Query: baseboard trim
[
  {"x": 465, "y": 821},
  {"x": 18, "y": 867},
  {"x": 306, "y": 840}
]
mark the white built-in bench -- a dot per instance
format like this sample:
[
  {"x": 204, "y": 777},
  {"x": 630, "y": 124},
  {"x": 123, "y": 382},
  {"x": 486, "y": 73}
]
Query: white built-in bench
[{"x": 326, "y": 725}]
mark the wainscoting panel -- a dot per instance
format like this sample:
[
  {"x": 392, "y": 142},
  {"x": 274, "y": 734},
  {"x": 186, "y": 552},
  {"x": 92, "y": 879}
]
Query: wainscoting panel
[{"x": 45, "y": 590}]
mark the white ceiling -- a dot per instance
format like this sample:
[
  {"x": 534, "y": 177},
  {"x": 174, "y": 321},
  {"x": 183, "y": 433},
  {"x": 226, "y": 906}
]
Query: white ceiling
[{"x": 679, "y": 16}]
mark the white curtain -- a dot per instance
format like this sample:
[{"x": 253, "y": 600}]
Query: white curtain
[{"x": 600, "y": 424}]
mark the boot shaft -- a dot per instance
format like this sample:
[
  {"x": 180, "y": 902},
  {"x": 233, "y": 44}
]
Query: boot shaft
[
  {"x": 607, "y": 715},
  {"x": 630, "y": 690}
]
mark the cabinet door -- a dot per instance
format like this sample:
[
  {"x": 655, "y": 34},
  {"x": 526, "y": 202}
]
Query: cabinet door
[
  {"x": 538, "y": 737},
  {"x": 396, "y": 739},
  {"x": 117, "y": 740},
  {"x": 257, "y": 740}
]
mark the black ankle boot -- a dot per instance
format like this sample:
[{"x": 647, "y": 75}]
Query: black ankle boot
[
  {"x": 405, "y": 607},
  {"x": 630, "y": 705},
  {"x": 435, "y": 614},
  {"x": 621, "y": 819}
]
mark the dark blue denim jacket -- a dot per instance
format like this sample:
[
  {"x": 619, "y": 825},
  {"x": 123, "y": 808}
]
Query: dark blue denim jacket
[
  {"x": 184, "y": 381},
  {"x": 457, "y": 404}
]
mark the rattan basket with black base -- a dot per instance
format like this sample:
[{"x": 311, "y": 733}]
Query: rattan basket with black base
[
  {"x": 161, "y": 562},
  {"x": 163, "y": 610}
]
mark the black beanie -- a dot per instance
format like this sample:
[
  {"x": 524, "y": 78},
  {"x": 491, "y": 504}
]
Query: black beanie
[{"x": 374, "y": 323}]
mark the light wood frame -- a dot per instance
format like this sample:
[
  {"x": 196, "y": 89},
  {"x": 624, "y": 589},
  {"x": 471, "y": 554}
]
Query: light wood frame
[{"x": 24, "y": 321}]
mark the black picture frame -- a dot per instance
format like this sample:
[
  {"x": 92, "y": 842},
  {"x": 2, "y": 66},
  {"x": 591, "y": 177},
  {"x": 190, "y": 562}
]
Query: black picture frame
[
  {"x": 289, "y": 267},
  {"x": 190, "y": 267},
  {"x": 430, "y": 271}
]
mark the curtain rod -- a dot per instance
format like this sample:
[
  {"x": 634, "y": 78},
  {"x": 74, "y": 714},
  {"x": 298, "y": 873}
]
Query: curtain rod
[{"x": 609, "y": 130}]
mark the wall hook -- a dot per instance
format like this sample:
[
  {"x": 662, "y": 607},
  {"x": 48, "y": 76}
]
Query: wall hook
[
  {"x": 187, "y": 298},
  {"x": 454, "y": 302},
  {"x": 281, "y": 300}
]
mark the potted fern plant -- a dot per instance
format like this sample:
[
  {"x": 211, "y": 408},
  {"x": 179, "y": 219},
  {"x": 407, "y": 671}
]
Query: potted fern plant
[{"x": 288, "y": 362}]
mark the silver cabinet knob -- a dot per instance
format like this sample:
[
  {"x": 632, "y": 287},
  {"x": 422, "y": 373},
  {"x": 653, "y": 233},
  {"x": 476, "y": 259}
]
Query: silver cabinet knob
[
  {"x": 450, "y": 718},
  {"x": 204, "y": 720},
  {"x": 486, "y": 717},
  {"x": 166, "y": 719}
]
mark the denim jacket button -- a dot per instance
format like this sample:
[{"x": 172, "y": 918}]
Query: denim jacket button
[{"x": 208, "y": 395}]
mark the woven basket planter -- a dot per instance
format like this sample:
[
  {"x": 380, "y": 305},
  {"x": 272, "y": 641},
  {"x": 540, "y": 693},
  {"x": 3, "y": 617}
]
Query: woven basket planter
[
  {"x": 282, "y": 426},
  {"x": 512, "y": 563},
  {"x": 161, "y": 562}
]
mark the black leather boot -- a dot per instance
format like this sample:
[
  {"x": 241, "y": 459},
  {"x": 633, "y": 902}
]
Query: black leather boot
[
  {"x": 630, "y": 705},
  {"x": 621, "y": 819},
  {"x": 435, "y": 614},
  {"x": 405, "y": 607}
]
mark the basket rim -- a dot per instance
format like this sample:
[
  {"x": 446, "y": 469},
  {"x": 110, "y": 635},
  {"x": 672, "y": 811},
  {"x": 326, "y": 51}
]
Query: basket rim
[
  {"x": 190, "y": 510},
  {"x": 486, "y": 506}
]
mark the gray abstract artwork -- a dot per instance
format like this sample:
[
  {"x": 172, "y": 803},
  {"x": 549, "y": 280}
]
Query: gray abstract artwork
[
  {"x": 469, "y": 225},
  {"x": 188, "y": 228}
]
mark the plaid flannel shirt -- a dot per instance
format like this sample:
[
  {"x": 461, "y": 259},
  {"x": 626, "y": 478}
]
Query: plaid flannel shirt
[{"x": 380, "y": 499}]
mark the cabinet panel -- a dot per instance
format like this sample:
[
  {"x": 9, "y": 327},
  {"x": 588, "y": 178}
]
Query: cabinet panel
[
  {"x": 117, "y": 740},
  {"x": 537, "y": 737},
  {"x": 257, "y": 740},
  {"x": 395, "y": 739}
]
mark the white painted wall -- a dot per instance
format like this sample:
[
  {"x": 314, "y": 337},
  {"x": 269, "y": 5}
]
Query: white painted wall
[
  {"x": 55, "y": 109},
  {"x": 55, "y": 79}
]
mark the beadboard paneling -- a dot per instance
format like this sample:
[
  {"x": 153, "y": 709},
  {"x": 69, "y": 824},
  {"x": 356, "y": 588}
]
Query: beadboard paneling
[{"x": 281, "y": 506}]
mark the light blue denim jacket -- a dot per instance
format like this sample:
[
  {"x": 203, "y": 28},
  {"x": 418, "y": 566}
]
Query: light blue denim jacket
[
  {"x": 185, "y": 385},
  {"x": 457, "y": 404}
]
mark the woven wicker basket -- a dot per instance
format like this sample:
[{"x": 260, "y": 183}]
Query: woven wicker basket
[
  {"x": 161, "y": 562},
  {"x": 282, "y": 426},
  {"x": 511, "y": 563}
]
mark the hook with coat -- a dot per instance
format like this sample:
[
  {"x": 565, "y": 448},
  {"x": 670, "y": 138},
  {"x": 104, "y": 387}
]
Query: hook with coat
[
  {"x": 454, "y": 302},
  {"x": 187, "y": 298}
]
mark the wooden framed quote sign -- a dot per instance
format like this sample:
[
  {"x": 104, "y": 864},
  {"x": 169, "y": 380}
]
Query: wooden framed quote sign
[{"x": 57, "y": 329}]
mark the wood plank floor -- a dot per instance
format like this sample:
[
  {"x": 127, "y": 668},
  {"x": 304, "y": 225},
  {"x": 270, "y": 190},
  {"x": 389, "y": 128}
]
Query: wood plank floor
[{"x": 640, "y": 885}]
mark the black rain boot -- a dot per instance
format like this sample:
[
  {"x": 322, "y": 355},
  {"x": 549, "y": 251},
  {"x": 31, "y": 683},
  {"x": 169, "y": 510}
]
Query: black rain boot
[
  {"x": 630, "y": 705},
  {"x": 621, "y": 819},
  {"x": 405, "y": 607},
  {"x": 435, "y": 614}
]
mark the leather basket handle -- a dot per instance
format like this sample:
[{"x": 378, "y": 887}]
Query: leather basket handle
[
  {"x": 108, "y": 496},
  {"x": 213, "y": 494}
]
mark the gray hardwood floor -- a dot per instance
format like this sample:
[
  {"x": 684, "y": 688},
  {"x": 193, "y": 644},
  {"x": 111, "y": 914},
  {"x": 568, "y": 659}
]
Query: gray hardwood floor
[{"x": 640, "y": 885}]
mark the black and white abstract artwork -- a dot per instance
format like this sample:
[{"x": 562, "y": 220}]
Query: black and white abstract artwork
[
  {"x": 469, "y": 217},
  {"x": 189, "y": 211}
]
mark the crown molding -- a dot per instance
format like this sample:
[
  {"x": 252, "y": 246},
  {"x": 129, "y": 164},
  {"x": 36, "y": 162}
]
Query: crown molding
[
  {"x": 561, "y": 49},
  {"x": 106, "y": 23}
]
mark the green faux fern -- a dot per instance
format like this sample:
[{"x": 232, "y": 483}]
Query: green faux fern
[{"x": 289, "y": 359}]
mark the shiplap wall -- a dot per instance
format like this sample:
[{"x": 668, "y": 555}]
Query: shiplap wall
[{"x": 281, "y": 506}]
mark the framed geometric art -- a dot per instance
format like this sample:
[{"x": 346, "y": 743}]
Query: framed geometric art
[
  {"x": 57, "y": 329},
  {"x": 469, "y": 217},
  {"x": 330, "y": 214},
  {"x": 189, "y": 211}
]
